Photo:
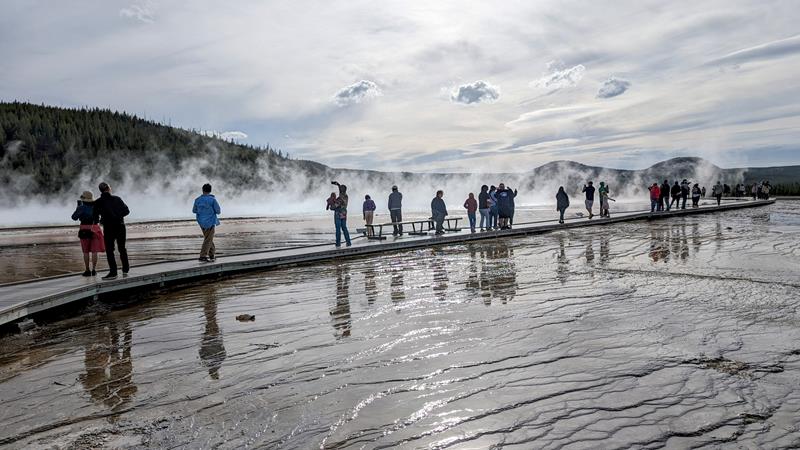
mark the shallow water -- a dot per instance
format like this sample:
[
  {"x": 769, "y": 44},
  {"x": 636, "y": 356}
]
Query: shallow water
[{"x": 681, "y": 332}]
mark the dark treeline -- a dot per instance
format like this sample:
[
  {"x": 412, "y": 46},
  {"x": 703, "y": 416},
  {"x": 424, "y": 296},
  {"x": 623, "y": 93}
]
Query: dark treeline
[{"x": 44, "y": 149}]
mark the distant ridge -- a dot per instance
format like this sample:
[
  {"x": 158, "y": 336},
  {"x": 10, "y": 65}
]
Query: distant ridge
[{"x": 51, "y": 152}]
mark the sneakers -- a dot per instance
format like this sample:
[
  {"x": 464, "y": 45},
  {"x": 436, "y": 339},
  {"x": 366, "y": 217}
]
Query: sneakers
[
  {"x": 94, "y": 273},
  {"x": 87, "y": 273},
  {"x": 212, "y": 258},
  {"x": 203, "y": 259},
  {"x": 110, "y": 276}
]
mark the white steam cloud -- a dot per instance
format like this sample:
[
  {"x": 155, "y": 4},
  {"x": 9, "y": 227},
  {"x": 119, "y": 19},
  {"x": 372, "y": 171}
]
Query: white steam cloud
[
  {"x": 613, "y": 87},
  {"x": 226, "y": 135},
  {"x": 477, "y": 92},
  {"x": 356, "y": 93},
  {"x": 142, "y": 12}
]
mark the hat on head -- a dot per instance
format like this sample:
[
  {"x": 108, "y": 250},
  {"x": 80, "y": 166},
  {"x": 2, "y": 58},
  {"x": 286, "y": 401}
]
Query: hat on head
[
  {"x": 394, "y": 188},
  {"x": 87, "y": 197}
]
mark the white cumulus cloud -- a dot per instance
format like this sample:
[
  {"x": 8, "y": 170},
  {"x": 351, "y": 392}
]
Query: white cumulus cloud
[
  {"x": 477, "y": 92},
  {"x": 357, "y": 93},
  {"x": 560, "y": 77},
  {"x": 613, "y": 87},
  {"x": 141, "y": 12}
]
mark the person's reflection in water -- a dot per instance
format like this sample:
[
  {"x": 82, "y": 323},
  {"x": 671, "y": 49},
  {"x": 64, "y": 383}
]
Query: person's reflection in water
[
  {"x": 340, "y": 314},
  {"x": 500, "y": 275},
  {"x": 212, "y": 349},
  {"x": 370, "y": 285},
  {"x": 590, "y": 251},
  {"x": 109, "y": 368},
  {"x": 562, "y": 266},
  {"x": 659, "y": 247},
  {"x": 396, "y": 286},
  {"x": 472, "y": 284},
  {"x": 684, "y": 242},
  {"x": 603, "y": 249},
  {"x": 440, "y": 278},
  {"x": 696, "y": 239}
]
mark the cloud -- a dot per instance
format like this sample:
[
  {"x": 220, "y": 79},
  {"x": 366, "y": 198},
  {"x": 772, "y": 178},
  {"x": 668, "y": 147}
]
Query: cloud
[
  {"x": 770, "y": 50},
  {"x": 477, "y": 92},
  {"x": 143, "y": 13},
  {"x": 226, "y": 135},
  {"x": 560, "y": 77},
  {"x": 357, "y": 93},
  {"x": 613, "y": 87}
]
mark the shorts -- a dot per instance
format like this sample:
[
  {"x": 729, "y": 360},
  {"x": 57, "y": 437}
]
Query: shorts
[
  {"x": 589, "y": 204},
  {"x": 96, "y": 244}
]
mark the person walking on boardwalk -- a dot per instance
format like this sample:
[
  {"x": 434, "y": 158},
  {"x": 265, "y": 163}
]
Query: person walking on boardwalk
[
  {"x": 589, "y": 190},
  {"x": 494, "y": 213},
  {"x": 695, "y": 195},
  {"x": 703, "y": 192},
  {"x": 483, "y": 207},
  {"x": 369, "y": 212},
  {"x": 438, "y": 211},
  {"x": 340, "y": 215},
  {"x": 754, "y": 190},
  {"x": 395, "y": 211},
  {"x": 765, "y": 190},
  {"x": 562, "y": 203},
  {"x": 505, "y": 205},
  {"x": 206, "y": 209},
  {"x": 89, "y": 233},
  {"x": 716, "y": 192},
  {"x": 685, "y": 189},
  {"x": 675, "y": 192},
  {"x": 471, "y": 205},
  {"x": 663, "y": 199},
  {"x": 655, "y": 198},
  {"x": 603, "y": 192},
  {"x": 111, "y": 211}
]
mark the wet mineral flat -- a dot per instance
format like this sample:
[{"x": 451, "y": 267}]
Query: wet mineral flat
[{"x": 679, "y": 333}]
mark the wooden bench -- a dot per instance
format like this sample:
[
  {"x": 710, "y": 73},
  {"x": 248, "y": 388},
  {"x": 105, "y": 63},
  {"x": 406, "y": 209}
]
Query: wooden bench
[{"x": 418, "y": 227}]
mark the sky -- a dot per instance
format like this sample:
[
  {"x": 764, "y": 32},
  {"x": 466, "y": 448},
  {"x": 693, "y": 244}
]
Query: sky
[{"x": 430, "y": 85}]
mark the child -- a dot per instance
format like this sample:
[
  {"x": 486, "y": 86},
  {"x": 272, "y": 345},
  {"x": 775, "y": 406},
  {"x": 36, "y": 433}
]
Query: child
[
  {"x": 369, "y": 212},
  {"x": 472, "y": 205},
  {"x": 331, "y": 202}
]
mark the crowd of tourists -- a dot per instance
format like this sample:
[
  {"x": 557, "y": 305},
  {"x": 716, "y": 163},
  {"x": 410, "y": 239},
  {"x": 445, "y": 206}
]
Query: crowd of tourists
[{"x": 495, "y": 204}]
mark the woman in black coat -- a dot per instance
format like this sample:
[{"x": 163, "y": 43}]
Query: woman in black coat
[{"x": 562, "y": 203}]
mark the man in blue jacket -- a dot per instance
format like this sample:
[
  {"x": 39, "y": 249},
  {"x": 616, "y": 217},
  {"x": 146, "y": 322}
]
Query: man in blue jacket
[
  {"x": 206, "y": 209},
  {"x": 438, "y": 211}
]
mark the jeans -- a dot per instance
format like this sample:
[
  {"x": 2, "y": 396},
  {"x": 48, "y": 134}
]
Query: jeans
[
  {"x": 471, "y": 217},
  {"x": 675, "y": 201},
  {"x": 485, "y": 219},
  {"x": 439, "y": 220},
  {"x": 719, "y": 200},
  {"x": 654, "y": 205},
  {"x": 341, "y": 226},
  {"x": 561, "y": 214},
  {"x": 396, "y": 217},
  {"x": 494, "y": 216},
  {"x": 684, "y": 197},
  {"x": 115, "y": 233}
]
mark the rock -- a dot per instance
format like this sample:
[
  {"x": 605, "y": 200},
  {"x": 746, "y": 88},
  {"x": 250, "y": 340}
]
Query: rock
[{"x": 245, "y": 317}]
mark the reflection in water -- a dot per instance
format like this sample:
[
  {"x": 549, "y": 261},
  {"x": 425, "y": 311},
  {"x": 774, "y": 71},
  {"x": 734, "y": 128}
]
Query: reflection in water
[
  {"x": 340, "y": 314},
  {"x": 212, "y": 349},
  {"x": 396, "y": 286},
  {"x": 603, "y": 248},
  {"x": 498, "y": 275},
  {"x": 589, "y": 250},
  {"x": 440, "y": 278},
  {"x": 370, "y": 285},
  {"x": 666, "y": 240},
  {"x": 109, "y": 368},
  {"x": 562, "y": 266}
]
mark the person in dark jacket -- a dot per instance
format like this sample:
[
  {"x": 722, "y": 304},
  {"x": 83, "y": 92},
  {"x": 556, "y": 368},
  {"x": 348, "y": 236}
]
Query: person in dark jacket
[
  {"x": 664, "y": 196},
  {"x": 494, "y": 213},
  {"x": 562, "y": 203},
  {"x": 438, "y": 211},
  {"x": 695, "y": 195},
  {"x": 111, "y": 211},
  {"x": 340, "y": 215},
  {"x": 589, "y": 190},
  {"x": 484, "y": 207},
  {"x": 675, "y": 192},
  {"x": 685, "y": 190},
  {"x": 395, "y": 211},
  {"x": 90, "y": 234},
  {"x": 505, "y": 205}
]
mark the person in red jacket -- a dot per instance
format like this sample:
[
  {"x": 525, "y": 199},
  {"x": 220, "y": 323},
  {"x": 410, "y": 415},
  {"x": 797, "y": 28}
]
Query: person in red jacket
[
  {"x": 655, "y": 196},
  {"x": 472, "y": 205}
]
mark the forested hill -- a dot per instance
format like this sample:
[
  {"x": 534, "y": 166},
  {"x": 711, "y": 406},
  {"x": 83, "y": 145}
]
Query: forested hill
[{"x": 47, "y": 151}]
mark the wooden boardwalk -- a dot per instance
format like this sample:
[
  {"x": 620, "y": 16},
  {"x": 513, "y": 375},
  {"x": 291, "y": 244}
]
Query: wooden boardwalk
[{"x": 18, "y": 300}]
